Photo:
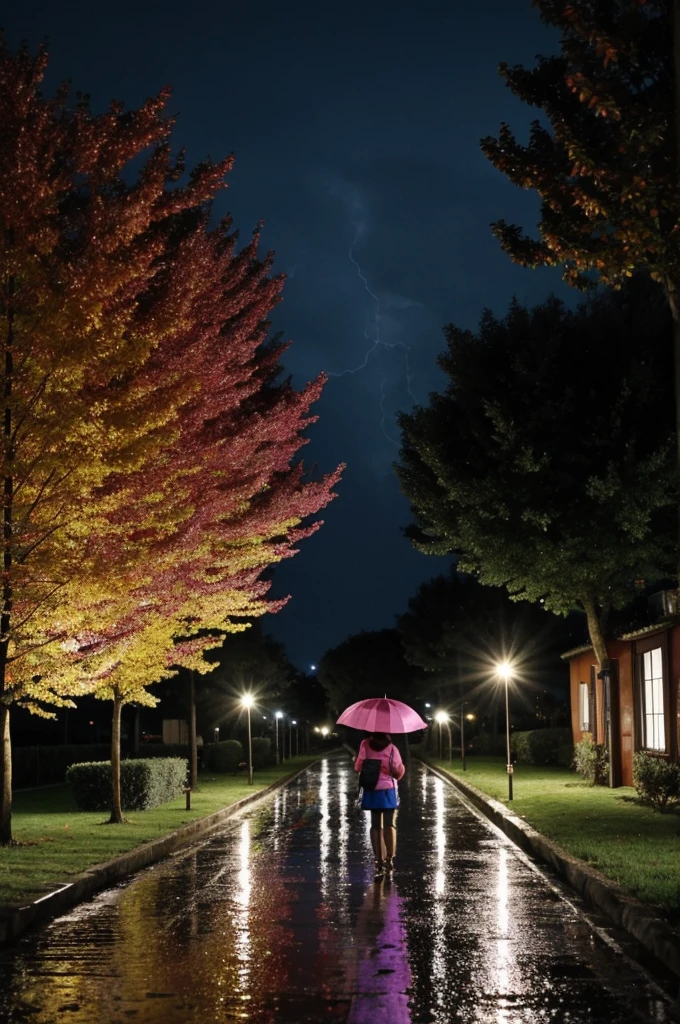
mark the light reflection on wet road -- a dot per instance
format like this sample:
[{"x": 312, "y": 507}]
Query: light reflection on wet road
[{"x": 275, "y": 918}]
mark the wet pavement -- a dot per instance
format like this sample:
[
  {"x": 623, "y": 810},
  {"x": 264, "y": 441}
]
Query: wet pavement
[{"x": 275, "y": 918}]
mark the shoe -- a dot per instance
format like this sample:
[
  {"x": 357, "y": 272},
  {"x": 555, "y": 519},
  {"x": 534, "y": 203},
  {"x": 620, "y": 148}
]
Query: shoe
[
  {"x": 379, "y": 871},
  {"x": 389, "y": 865}
]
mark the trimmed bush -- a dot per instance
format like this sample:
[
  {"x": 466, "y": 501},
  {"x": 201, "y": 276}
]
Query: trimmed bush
[
  {"x": 263, "y": 754},
  {"x": 591, "y": 761},
  {"x": 165, "y": 750},
  {"x": 541, "y": 746},
  {"x": 223, "y": 757},
  {"x": 143, "y": 783},
  {"x": 39, "y": 764},
  {"x": 656, "y": 780}
]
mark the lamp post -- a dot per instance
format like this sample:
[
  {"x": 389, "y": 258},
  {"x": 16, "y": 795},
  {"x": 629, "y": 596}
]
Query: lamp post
[
  {"x": 470, "y": 718},
  {"x": 297, "y": 740},
  {"x": 278, "y": 715},
  {"x": 505, "y": 672},
  {"x": 441, "y": 719},
  {"x": 247, "y": 702}
]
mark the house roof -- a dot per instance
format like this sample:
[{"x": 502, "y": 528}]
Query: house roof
[
  {"x": 576, "y": 650},
  {"x": 648, "y": 630},
  {"x": 635, "y": 635}
]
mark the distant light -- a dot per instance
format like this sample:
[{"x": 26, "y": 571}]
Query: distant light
[
  {"x": 313, "y": 668},
  {"x": 470, "y": 717},
  {"x": 324, "y": 730},
  {"x": 293, "y": 722},
  {"x": 279, "y": 714},
  {"x": 441, "y": 717},
  {"x": 247, "y": 700},
  {"x": 428, "y": 705}
]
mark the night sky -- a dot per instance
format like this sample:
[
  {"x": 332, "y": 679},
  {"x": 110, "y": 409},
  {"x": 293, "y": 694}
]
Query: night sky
[{"x": 356, "y": 133}]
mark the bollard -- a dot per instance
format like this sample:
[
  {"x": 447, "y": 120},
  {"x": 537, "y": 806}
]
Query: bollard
[{"x": 187, "y": 790}]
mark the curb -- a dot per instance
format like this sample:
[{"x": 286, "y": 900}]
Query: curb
[
  {"x": 15, "y": 920},
  {"x": 635, "y": 917}
]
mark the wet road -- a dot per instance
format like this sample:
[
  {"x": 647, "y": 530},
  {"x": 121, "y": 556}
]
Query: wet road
[{"x": 275, "y": 918}]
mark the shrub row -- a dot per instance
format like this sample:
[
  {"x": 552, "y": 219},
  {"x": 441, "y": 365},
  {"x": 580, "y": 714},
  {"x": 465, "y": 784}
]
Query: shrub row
[
  {"x": 223, "y": 757},
  {"x": 591, "y": 761},
  {"x": 143, "y": 783},
  {"x": 542, "y": 746},
  {"x": 656, "y": 780},
  {"x": 37, "y": 765}
]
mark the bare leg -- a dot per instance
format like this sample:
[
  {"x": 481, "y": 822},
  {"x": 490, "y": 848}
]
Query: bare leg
[{"x": 390, "y": 840}]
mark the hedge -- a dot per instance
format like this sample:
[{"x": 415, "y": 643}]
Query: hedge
[
  {"x": 143, "y": 783},
  {"x": 656, "y": 780},
  {"x": 223, "y": 757},
  {"x": 542, "y": 746},
  {"x": 263, "y": 754}
]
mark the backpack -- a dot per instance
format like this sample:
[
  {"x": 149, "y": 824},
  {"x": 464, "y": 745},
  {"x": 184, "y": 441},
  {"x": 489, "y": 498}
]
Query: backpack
[{"x": 370, "y": 773}]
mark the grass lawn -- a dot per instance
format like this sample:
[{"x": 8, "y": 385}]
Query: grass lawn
[
  {"x": 637, "y": 847},
  {"x": 56, "y": 841}
]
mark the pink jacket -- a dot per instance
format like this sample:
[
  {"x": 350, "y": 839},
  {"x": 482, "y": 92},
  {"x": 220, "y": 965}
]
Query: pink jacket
[{"x": 391, "y": 768}]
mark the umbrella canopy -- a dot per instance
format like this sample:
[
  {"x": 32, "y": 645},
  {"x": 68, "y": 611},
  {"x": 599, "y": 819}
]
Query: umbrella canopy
[{"x": 379, "y": 714}]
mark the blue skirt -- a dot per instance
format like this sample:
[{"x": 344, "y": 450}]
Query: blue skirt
[{"x": 379, "y": 799}]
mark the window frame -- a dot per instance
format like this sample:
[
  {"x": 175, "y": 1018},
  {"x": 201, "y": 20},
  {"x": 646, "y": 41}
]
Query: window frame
[
  {"x": 659, "y": 641},
  {"x": 585, "y": 703}
]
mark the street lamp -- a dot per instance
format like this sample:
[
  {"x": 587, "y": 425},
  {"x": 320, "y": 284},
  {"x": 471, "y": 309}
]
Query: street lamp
[
  {"x": 324, "y": 731},
  {"x": 441, "y": 719},
  {"x": 505, "y": 672},
  {"x": 279, "y": 714},
  {"x": 247, "y": 702},
  {"x": 297, "y": 740},
  {"x": 463, "y": 718}
]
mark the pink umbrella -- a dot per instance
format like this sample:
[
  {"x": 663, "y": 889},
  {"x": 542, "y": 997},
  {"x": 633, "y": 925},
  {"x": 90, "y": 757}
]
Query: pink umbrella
[{"x": 379, "y": 714}]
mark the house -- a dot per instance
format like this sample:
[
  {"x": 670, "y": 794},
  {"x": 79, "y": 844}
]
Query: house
[{"x": 634, "y": 707}]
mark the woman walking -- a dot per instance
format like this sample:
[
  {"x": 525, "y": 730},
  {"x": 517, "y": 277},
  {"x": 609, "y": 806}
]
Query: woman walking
[{"x": 380, "y": 768}]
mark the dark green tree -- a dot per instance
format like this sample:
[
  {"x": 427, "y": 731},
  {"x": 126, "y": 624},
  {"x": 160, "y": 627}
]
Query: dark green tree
[
  {"x": 368, "y": 664},
  {"x": 456, "y": 630},
  {"x": 522, "y": 470},
  {"x": 605, "y": 156}
]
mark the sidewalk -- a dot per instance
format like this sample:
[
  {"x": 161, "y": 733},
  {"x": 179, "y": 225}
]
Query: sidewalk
[{"x": 636, "y": 917}]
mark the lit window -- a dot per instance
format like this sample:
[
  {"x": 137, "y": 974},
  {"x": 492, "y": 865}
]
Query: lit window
[
  {"x": 584, "y": 706},
  {"x": 651, "y": 682}
]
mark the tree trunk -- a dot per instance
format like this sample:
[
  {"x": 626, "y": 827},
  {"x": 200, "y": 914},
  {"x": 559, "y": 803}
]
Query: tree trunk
[
  {"x": 6, "y": 774},
  {"x": 7, "y": 595},
  {"x": 193, "y": 744},
  {"x": 596, "y": 634},
  {"x": 595, "y": 629},
  {"x": 116, "y": 808}
]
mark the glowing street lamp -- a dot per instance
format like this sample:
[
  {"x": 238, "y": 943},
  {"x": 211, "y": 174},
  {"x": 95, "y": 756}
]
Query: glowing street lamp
[
  {"x": 247, "y": 702},
  {"x": 505, "y": 671},
  {"x": 279, "y": 714},
  {"x": 463, "y": 717},
  {"x": 441, "y": 718},
  {"x": 324, "y": 731},
  {"x": 297, "y": 739}
]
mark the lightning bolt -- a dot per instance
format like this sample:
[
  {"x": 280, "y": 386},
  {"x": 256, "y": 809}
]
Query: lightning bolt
[{"x": 374, "y": 336}]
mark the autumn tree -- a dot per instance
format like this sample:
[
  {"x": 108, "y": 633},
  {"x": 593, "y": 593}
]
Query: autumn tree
[
  {"x": 605, "y": 156},
  {"x": 522, "y": 471},
  {"x": 148, "y": 457}
]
